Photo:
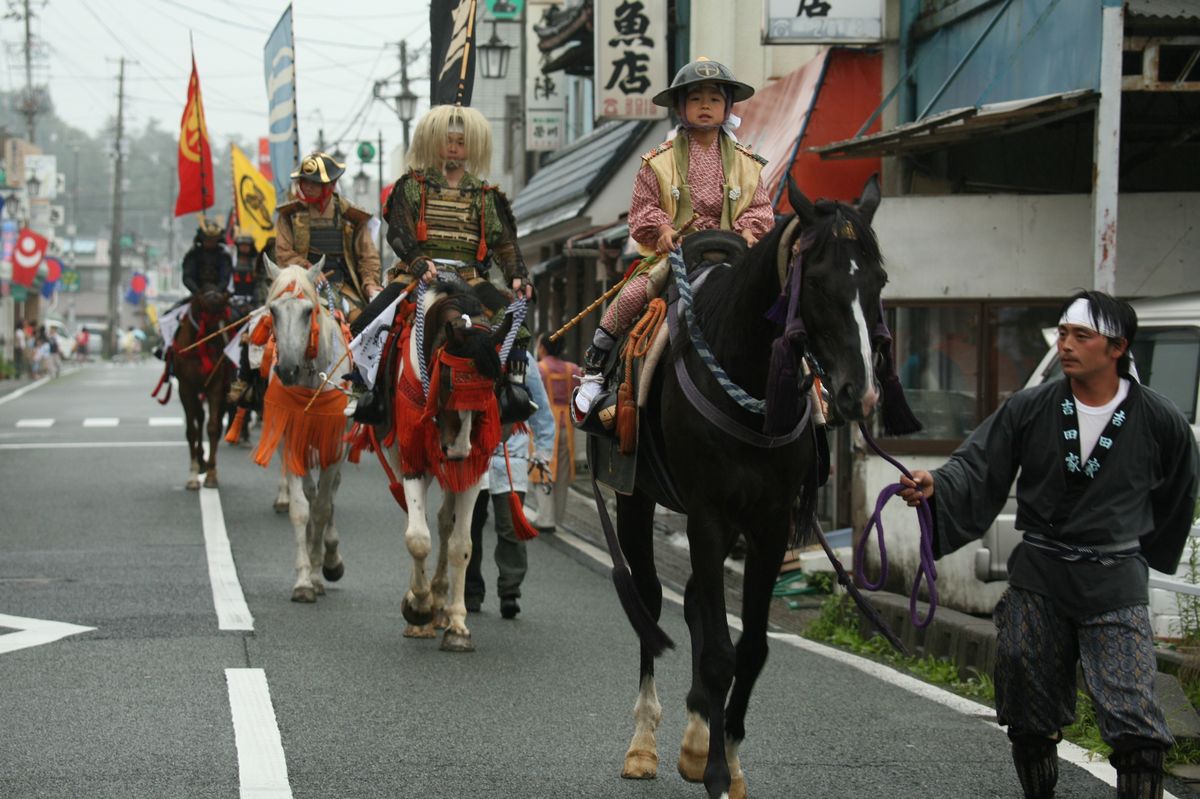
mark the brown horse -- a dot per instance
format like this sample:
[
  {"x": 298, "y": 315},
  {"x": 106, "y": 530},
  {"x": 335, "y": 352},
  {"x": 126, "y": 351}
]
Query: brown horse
[{"x": 203, "y": 374}]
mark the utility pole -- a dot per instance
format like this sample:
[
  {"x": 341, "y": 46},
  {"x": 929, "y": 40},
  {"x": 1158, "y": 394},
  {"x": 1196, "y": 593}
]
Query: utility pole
[
  {"x": 404, "y": 88},
  {"x": 29, "y": 107},
  {"x": 114, "y": 247},
  {"x": 381, "y": 219}
]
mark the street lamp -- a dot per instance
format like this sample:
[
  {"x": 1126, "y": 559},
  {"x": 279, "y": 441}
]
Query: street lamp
[
  {"x": 33, "y": 185},
  {"x": 493, "y": 56},
  {"x": 406, "y": 105},
  {"x": 362, "y": 183}
]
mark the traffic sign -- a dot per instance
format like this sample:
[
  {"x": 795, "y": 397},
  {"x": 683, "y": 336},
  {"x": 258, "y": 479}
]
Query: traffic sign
[{"x": 366, "y": 152}]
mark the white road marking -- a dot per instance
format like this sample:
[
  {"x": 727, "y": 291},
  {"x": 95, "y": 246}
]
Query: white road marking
[
  {"x": 34, "y": 632},
  {"x": 92, "y": 444},
  {"x": 35, "y": 422},
  {"x": 20, "y": 392},
  {"x": 230, "y": 603},
  {"x": 262, "y": 767},
  {"x": 1071, "y": 753},
  {"x": 166, "y": 421},
  {"x": 101, "y": 421}
]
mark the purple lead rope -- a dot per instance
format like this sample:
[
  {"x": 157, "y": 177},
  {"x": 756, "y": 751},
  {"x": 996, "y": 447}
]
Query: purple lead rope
[{"x": 927, "y": 570}]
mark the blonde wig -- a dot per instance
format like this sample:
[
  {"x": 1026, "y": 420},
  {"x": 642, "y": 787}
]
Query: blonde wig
[{"x": 437, "y": 123}]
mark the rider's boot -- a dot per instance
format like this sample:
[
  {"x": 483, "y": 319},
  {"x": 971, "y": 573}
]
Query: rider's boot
[{"x": 592, "y": 382}]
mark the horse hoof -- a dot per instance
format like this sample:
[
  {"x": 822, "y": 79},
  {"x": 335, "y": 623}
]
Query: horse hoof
[
  {"x": 737, "y": 788},
  {"x": 304, "y": 594},
  {"x": 457, "y": 642},
  {"x": 281, "y": 507},
  {"x": 415, "y": 617},
  {"x": 441, "y": 621},
  {"x": 419, "y": 631},
  {"x": 319, "y": 588},
  {"x": 640, "y": 764},
  {"x": 210, "y": 479},
  {"x": 193, "y": 484},
  {"x": 334, "y": 573},
  {"x": 691, "y": 764}
]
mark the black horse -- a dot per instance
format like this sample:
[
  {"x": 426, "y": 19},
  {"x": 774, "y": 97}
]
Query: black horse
[{"x": 728, "y": 486}]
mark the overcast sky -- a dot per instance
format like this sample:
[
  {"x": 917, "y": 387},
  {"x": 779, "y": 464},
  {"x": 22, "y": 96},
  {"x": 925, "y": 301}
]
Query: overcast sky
[{"x": 342, "y": 47}]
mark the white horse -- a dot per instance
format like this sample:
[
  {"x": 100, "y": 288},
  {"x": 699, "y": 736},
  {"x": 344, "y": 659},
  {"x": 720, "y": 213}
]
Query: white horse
[
  {"x": 307, "y": 341},
  {"x": 453, "y": 444}
]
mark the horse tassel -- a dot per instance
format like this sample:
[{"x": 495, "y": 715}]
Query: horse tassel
[
  {"x": 521, "y": 526},
  {"x": 394, "y": 485},
  {"x": 898, "y": 418},
  {"x": 235, "y": 429}
]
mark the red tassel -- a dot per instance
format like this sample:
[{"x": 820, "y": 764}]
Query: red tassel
[
  {"x": 235, "y": 429},
  {"x": 397, "y": 490},
  {"x": 521, "y": 526},
  {"x": 422, "y": 228},
  {"x": 626, "y": 420}
]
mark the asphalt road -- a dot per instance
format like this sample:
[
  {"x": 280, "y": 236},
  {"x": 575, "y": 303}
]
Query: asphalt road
[{"x": 97, "y": 530}]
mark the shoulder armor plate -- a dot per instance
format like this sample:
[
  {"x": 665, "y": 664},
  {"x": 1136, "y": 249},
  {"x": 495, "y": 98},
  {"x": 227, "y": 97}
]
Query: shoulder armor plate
[
  {"x": 289, "y": 208},
  {"x": 744, "y": 150},
  {"x": 659, "y": 150}
]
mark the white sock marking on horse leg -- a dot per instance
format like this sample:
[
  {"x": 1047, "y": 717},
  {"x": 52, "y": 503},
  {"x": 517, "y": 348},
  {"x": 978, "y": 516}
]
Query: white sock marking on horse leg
[
  {"x": 228, "y": 599},
  {"x": 459, "y": 553},
  {"x": 298, "y": 515},
  {"x": 647, "y": 713},
  {"x": 262, "y": 767},
  {"x": 732, "y": 760},
  {"x": 870, "y": 394},
  {"x": 416, "y": 536}
]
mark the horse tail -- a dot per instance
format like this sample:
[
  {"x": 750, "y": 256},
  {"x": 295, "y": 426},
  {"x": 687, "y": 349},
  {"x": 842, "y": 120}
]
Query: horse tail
[{"x": 653, "y": 638}]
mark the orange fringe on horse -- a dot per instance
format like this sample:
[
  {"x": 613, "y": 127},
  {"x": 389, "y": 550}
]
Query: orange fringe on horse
[{"x": 310, "y": 439}]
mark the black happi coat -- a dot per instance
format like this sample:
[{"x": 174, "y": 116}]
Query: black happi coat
[{"x": 1143, "y": 491}]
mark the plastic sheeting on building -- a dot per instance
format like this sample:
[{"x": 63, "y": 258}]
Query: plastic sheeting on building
[{"x": 826, "y": 100}]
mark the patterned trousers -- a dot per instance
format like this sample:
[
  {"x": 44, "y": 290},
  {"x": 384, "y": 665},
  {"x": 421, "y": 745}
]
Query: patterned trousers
[{"x": 1036, "y": 658}]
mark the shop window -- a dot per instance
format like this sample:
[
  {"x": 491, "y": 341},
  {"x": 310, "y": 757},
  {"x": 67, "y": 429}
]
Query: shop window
[{"x": 959, "y": 361}]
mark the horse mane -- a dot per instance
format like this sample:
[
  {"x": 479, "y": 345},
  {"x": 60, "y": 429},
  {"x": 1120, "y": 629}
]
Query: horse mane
[
  {"x": 457, "y": 298},
  {"x": 294, "y": 276}
]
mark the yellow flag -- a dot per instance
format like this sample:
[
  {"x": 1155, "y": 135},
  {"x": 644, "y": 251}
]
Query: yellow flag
[{"x": 255, "y": 197}]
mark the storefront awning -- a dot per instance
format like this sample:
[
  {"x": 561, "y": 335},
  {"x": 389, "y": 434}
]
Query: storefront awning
[
  {"x": 569, "y": 179},
  {"x": 823, "y": 101},
  {"x": 958, "y": 125},
  {"x": 610, "y": 238}
]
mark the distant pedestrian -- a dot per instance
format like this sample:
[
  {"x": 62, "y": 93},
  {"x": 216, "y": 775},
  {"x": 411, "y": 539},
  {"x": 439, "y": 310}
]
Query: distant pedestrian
[
  {"x": 1108, "y": 475},
  {"x": 20, "y": 342},
  {"x": 559, "y": 377},
  {"x": 500, "y": 482},
  {"x": 82, "y": 339}
]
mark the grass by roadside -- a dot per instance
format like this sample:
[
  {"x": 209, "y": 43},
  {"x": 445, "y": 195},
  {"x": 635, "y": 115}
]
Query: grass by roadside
[{"x": 838, "y": 626}]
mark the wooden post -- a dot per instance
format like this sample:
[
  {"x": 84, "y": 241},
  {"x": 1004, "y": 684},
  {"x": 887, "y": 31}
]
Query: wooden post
[{"x": 1107, "y": 150}]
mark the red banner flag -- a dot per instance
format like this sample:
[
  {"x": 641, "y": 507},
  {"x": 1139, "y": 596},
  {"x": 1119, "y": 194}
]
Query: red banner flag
[
  {"x": 27, "y": 256},
  {"x": 195, "y": 159}
]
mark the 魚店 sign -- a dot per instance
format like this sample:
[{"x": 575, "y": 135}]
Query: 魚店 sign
[{"x": 631, "y": 58}]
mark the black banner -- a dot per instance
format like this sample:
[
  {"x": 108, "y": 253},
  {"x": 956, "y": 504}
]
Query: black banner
[{"x": 452, "y": 51}]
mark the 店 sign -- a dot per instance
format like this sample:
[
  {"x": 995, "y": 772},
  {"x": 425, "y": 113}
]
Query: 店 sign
[
  {"x": 822, "y": 21},
  {"x": 545, "y": 98},
  {"x": 631, "y": 58}
]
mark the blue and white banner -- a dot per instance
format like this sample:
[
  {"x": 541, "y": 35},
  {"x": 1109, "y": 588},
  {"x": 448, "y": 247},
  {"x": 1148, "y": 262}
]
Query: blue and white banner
[{"x": 279, "y": 67}]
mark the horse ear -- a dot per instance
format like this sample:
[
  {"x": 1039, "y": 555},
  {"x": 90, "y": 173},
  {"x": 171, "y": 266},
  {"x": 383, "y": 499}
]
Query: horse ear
[
  {"x": 272, "y": 267},
  {"x": 800, "y": 204},
  {"x": 315, "y": 273},
  {"x": 870, "y": 198}
]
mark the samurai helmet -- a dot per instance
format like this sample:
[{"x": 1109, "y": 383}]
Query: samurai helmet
[
  {"x": 209, "y": 229},
  {"x": 703, "y": 70},
  {"x": 319, "y": 168}
]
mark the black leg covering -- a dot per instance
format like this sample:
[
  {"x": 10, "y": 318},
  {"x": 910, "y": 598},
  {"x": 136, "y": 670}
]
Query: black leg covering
[
  {"x": 1036, "y": 759},
  {"x": 1139, "y": 773}
]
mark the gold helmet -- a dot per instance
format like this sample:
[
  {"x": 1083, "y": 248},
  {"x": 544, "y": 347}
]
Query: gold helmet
[
  {"x": 209, "y": 229},
  {"x": 319, "y": 168}
]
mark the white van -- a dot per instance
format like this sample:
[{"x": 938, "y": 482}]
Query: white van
[{"x": 1166, "y": 355}]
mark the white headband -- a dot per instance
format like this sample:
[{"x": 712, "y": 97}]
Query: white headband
[{"x": 1080, "y": 313}]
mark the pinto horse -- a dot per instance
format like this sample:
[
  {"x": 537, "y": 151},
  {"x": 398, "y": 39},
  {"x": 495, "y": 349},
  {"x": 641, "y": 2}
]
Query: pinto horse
[
  {"x": 303, "y": 419},
  {"x": 203, "y": 374},
  {"x": 446, "y": 431},
  {"x": 729, "y": 484}
]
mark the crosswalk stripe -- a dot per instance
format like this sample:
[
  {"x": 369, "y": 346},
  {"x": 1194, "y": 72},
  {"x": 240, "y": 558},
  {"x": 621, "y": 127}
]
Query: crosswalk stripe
[
  {"x": 101, "y": 421},
  {"x": 35, "y": 422},
  {"x": 166, "y": 421}
]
